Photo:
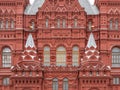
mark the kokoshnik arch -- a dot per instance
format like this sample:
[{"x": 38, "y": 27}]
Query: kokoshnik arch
[{"x": 59, "y": 45}]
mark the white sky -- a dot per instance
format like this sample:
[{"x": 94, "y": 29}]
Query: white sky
[{"x": 91, "y": 1}]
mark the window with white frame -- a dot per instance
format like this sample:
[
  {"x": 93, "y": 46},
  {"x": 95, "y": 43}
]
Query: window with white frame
[
  {"x": 6, "y": 57},
  {"x": 12, "y": 23},
  {"x": 75, "y": 56},
  {"x": 46, "y": 56},
  {"x": 64, "y": 23},
  {"x": 75, "y": 23},
  {"x": 116, "y": 80},
  {"x": 65, "y": 84},
  {"x": 116, "y": 57},
  {"x": 116, "y": 24},
  {"x": 6, "y": 81},
  {"x": 47, "y": 23},
  {"x": 58, "y": 23},
  {"x": 55, "y": 84},
  {"x": 33, "y": 25},
  {"x": 7, "y": 23},
  {"x": 61, "y": 56},
  {"x": 111, "y": 24},
  {"x": 1, "y": 24},
  {"x": 90, "y": 25}
]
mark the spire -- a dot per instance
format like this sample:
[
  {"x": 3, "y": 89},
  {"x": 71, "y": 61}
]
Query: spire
[
  {"x": 91, "y": 41},
  {"x": 30, "y": 42}
]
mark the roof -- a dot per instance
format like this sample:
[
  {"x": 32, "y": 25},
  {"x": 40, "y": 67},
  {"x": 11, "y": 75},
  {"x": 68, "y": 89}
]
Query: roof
[
  {"x": 89, "y": 9},
  {"x": 91, "y": 41}
]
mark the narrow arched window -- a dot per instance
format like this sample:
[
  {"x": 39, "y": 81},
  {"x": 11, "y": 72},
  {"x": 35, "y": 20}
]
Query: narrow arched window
[
  {"x": 111, "y": 25},
  {"x": 64, "y": 23},
  {"x": 7, "y": 23},
  {"x": 116, "y": 24},
  {"x": 47, "y": 23},
  {"x": 46, "y": 56},
  {"x": 90, "y": 25},
  {"x": 65, "y": 84},
  {"x": 12, "y": 23},
  {"x": 58, "y": 23},
  {"x": 55, "y": 84},
  {"x": 6, "y": 81},
  {"x": 32, "y": 25},
  {"x": 75, "y": 56},
  {"x": 75, "y": 23},
  {"x": 116, "y": 57},
  {"x": 61, "y": 56},
  {"x": 1, "y": 24},
  {"x": 6, "y": 57}
]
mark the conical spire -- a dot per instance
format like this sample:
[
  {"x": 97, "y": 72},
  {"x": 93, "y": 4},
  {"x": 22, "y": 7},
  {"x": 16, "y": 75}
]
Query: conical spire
[
  {"x": 91, "y": 41},
  {"x": 30, "y": 42}
]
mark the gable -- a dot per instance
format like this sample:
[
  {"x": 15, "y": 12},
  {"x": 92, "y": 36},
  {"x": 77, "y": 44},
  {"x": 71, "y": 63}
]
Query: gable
[{"x": 89, "y": 9}]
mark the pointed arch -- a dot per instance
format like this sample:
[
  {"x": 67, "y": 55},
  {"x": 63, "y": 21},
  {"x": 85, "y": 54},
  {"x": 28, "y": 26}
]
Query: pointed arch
[
  {"x": 58, "y": 9},
  {"x": 46, "y": 9},
  {"x": 64, "y": 9},
  {"x": 111, "y": 11},
  {"x": 76, "y": 9},
  {"x": 116, "y": 11}
]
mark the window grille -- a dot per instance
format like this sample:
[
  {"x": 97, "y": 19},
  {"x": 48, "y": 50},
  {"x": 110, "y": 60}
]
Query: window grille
[
  {"x": 46, "y": 56},
  {"x": 6, "y": 57},
  {"x": 61, "y": 56}
]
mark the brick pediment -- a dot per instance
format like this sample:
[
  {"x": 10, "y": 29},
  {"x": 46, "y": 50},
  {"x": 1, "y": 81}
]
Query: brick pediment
[
  {"x": 94, "y": 65},
  {"x": 27, "y": 65}
]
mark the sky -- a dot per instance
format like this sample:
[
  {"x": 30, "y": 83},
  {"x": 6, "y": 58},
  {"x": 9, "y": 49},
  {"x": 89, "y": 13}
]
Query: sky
[{"x": 91, "y": 1}]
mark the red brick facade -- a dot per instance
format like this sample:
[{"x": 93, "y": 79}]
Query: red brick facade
[{"x": 59, "y": 45}]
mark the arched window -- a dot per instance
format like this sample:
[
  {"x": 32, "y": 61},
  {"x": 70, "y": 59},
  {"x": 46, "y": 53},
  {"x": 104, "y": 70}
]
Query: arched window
[
  {"x": 116, "y": 57},
  {"x": 116, "y": 24},
  {"x": 12, "y": 23},
  {"x": 64, "y": 23},
  {"x": 65, "y": 84},
  {"x": 75, "y": 56},
  {"x": 58, "y": 23},
  {"x": 90, "y": 25},
  {"x": 55, "y": 84},
  {"x": 75, "y": 23},
  {"x": 6, "y": 57},
  {"x": 32, "y": 25},
  {"x": 111, "y": 24},
  {"x": 61, "y": 56},
  {"x": 6, "y": 26},
  {"x": 1, "y": 24},
  {"x": 6, "y": 81},
  {"x": 47, "y": 23},
  {"x": 47, "y": 56}
]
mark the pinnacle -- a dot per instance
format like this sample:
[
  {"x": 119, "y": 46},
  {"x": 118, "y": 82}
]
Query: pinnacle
[{"x": 91, "y": 41}]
